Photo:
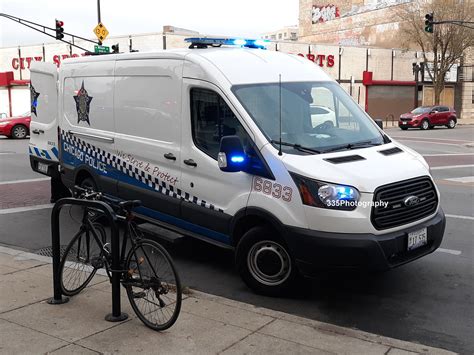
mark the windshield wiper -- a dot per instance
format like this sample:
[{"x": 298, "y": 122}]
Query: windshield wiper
[
  {"x": 363, "y": 144},
  {"x": 297, "y": 147}
]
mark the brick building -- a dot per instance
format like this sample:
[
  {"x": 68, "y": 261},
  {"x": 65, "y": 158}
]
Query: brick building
[
  {"x": 379, "y": 79},
  {"x": 373, "y": 23}
]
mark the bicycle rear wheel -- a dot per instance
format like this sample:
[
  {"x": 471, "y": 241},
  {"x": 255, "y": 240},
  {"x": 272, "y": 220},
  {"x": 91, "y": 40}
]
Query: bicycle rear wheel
[
  {"x": 81, "y": 259},
  {"x": 153, "y": 285}
]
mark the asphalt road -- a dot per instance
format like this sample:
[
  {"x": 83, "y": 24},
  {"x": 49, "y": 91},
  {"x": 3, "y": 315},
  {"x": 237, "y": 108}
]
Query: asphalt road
[{"x": 428, "y": 301}]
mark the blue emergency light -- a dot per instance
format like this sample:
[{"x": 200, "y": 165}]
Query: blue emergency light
[
  {"x": 237, "y": 159},
  {"x": 204, "y": 42}
]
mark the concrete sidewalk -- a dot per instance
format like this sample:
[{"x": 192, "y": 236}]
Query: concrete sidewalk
[{"x": 207, "y": 324}]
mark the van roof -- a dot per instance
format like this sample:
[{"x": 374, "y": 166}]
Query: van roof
[{"x": 238, "y": 65}]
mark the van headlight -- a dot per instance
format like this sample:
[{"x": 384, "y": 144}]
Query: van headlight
[{"x": 326, "y": 195}]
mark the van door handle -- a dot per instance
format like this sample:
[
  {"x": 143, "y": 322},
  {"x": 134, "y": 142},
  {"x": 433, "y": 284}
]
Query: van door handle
[
  {"x": 37, "y": 131},
  {"x": 190, "y": 162},
  {"x": 169, "y": 156}
]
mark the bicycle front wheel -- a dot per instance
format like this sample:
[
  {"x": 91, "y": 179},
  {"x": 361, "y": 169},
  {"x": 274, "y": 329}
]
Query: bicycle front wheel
[
  {"x": 81, "y": 259},
  {"x": 153, "y": 285}
]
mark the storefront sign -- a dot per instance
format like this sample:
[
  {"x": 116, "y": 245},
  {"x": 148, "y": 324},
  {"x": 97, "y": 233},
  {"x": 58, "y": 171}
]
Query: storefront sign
[
  {"x": 25, "y": 62},
  {"x": 320, "y": 59},
  {"x": 324, "y": 13}
]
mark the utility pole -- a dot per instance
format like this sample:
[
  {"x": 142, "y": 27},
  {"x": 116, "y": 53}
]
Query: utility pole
[{"x": 98, "y": 17}]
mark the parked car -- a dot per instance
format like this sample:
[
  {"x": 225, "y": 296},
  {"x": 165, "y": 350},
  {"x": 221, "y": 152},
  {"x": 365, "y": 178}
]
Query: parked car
[
  {"x": 322, "y": 114},
  {"x": 17, "y": 127},
  {"x": 427, "y": 117}
]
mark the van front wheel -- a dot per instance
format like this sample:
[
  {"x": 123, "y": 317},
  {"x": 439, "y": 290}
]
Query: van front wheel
[{"x": 265, "y": 263}]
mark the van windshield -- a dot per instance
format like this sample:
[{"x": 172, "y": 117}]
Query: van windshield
[{"x": 318, "y": 116}]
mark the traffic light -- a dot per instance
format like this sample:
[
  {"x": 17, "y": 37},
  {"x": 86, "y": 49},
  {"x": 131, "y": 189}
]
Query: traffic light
[
  {"x": 429, "y": 22},
  {"x": 59, "y": 29},
  {"x": 115, "y": 48}
]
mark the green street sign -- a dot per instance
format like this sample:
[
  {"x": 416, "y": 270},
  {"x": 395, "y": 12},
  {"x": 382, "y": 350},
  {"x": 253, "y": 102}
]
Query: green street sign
[{"x": 101, "y": 49}]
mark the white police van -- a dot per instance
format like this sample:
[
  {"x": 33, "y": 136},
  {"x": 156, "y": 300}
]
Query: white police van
[{"x": 219, "y": 143}]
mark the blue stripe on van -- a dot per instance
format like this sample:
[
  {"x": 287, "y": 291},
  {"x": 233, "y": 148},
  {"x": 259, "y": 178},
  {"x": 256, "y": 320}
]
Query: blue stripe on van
[
  {"x": 55, "y": 152},
  {"x": 184, "y": 224},
  {"x": 46, "y": 154},
  {"x": 122, "y": 177},
  {"x": 38, "y": 154}
]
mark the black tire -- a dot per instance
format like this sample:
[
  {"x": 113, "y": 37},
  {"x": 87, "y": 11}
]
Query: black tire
[
  {"x": 19, "y": 131},
  {"x": 425, "y": 124},
  {"x": 451, "y": 123},
  {"x": 79, "y": 253},
  {"x": 265, "y": 263},
  {"x": 153, "y": 285},
  {"x": 403, "y": 128}
]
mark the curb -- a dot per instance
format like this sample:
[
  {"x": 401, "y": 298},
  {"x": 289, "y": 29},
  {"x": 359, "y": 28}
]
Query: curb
[{"x": 317, "y": 325}]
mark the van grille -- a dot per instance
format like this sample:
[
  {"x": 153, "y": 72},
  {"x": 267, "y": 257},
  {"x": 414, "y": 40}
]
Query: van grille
[{"x": 399, "y": 211}]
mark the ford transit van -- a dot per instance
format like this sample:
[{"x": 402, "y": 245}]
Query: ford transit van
[{"x": 228, "y": 145}]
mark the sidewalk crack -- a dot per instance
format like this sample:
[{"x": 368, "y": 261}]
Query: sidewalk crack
[{"x": 251, "y": 333}]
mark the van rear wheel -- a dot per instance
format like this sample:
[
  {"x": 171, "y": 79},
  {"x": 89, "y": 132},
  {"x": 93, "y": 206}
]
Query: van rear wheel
[
  {"x": 265, "y": 263},
  {"x": 88, "y": 184}
]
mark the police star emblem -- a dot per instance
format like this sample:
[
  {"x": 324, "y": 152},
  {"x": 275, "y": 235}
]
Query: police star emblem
[
  {"x": 83, "y": 101},
  {"x": 34, "y": 99}
]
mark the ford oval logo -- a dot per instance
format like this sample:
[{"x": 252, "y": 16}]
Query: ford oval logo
[{"x": 411, "y": 201}]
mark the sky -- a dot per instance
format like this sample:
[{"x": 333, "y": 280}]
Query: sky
[{"x": 122, "y": 17}]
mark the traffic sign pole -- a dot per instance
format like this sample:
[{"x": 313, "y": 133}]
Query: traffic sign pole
[{"x": 98, "y": 17}]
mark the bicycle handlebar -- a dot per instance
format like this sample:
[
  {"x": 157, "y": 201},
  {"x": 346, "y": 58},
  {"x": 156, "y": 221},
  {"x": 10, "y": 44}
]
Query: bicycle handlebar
[{"x": 93, "y": 195}]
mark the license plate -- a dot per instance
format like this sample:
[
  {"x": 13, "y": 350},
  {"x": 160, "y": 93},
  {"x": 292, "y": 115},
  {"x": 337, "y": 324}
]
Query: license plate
[
  {"x": 43, "y": 168},
  {"x": 417, "y": 239}
]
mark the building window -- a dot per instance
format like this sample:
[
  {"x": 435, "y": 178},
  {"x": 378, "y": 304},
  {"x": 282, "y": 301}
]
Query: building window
[
  {"x": 472, "y": 95},
  {"x": 212, "y": 119},
  {"x": 273, "y": 36},
  {"x": 280, "y": 36}
]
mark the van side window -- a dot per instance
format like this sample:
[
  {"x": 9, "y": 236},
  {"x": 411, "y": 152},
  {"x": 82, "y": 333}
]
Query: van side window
[{"x": 212, "y": 119}]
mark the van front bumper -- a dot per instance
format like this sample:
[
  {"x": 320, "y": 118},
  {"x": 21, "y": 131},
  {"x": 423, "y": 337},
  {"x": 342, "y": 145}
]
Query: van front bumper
[{"x": 315, "y": 251}]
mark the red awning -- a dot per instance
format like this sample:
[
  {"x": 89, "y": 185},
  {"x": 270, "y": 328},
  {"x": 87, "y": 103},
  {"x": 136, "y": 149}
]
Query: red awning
[
  {"x": 19, "y": 82},
  {"x": 7, "y": 80}
]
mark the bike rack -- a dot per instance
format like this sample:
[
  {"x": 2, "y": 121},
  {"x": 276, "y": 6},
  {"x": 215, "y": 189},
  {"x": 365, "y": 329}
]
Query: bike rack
[{"x": 117, "y": 315}]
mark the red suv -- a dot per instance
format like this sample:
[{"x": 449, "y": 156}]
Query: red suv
[
  {"x": 15, "y": 127},
  {"x": 426, "y": 117}
]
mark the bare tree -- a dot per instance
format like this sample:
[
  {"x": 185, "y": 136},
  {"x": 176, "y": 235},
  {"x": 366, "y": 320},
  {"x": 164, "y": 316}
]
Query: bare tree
[{"x": 447, "y": 43}]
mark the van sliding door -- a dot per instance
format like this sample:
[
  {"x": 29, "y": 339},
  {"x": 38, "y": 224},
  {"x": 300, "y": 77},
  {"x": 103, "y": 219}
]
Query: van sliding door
[{"x": 148, "y": 133}]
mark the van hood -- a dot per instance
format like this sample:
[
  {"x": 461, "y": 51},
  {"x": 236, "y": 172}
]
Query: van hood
[{"x": 368, "y": 170}]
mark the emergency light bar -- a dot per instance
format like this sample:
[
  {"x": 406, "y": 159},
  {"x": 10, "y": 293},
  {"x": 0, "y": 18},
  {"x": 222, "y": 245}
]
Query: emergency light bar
[{"x": 204, "y": 42}]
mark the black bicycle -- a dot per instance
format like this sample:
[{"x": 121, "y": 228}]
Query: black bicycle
[{"x": 148, "y": 272}]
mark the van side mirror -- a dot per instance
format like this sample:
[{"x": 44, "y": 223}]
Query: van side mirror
[
  {"x": 231, "y": 157},
  {"x": 379, "y": 123}
]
